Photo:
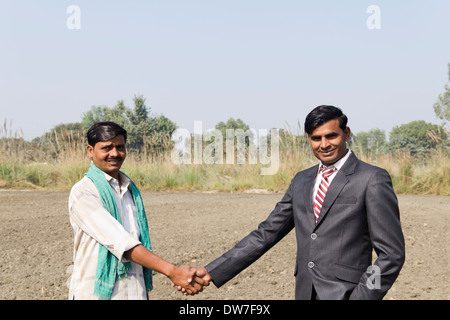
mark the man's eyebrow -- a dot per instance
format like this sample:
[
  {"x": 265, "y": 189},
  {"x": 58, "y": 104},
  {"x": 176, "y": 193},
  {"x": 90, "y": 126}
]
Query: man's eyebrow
[
  {"x": 121, "y": 145},
  {"x": 331, "y": 134},
  {"x": 328, "y": 135},
  {"x": 107, "y": 145}
]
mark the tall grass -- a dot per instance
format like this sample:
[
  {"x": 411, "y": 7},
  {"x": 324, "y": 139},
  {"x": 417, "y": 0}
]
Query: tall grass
[{"x": 60, "y": 160}]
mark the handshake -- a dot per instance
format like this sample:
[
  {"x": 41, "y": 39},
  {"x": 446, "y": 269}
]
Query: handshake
[{"x": 190, "y": 280}]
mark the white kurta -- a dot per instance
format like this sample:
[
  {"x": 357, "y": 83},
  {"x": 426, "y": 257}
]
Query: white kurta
[{"x": 93, "y": 224}]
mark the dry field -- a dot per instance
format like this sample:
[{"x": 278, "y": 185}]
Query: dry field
[{"x": 195, "y": 228}]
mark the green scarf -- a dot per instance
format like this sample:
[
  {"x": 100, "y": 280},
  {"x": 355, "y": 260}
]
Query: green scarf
[{"x": 109, "y": 268}]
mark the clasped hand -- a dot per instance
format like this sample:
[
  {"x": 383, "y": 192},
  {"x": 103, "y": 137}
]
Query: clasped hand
[{"x": 190, "y": 280}]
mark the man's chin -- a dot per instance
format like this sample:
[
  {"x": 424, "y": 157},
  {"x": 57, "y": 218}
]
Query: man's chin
[
  {"x": 112, "y": 170},
  {"x": 328, "y": 160}
]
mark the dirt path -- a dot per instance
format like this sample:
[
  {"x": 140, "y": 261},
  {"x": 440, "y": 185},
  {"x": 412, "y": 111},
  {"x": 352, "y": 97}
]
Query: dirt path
[{"x": 195, "y": 228}]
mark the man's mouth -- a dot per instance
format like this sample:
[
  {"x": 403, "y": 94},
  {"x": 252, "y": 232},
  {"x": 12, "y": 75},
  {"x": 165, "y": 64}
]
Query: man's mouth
[
  {"x": 327, "y": 153},
  {"x": 114, "y": 161}
]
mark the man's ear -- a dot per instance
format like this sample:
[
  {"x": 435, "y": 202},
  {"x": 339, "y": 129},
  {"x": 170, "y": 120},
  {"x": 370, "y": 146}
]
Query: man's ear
[
  {"x": 90, "y": 151},
  {"x": 347, "y": 132}
]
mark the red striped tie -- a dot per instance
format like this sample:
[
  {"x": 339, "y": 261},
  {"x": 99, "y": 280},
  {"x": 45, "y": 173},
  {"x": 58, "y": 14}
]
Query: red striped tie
[{"x": 322, "y": 191}]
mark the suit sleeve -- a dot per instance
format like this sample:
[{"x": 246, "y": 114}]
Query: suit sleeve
[
  {"x": 386, "y": 234},
  {"x": 255, "y": 244}
]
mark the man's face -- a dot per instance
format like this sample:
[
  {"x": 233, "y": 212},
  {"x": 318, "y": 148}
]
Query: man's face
[
  {"x": 328, "y": 142},
  {"x": 109, "y": 155}
]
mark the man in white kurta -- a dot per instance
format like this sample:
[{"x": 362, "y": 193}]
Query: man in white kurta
[
  {"x": 120, "y": 231},
  {"x": 93, "y": 224}
]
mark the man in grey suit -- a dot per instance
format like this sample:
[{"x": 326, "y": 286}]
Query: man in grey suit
[{"x": 338, "y": 219}]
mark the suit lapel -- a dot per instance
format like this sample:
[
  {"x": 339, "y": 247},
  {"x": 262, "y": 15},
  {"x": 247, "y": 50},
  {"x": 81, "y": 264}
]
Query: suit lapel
[{"x": 336, "y": 186}]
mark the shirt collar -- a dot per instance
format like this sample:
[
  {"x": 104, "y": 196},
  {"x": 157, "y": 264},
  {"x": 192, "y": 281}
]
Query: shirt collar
[
  {"x": 124, "y": 180},
  {"x": 338, "y": 164}
]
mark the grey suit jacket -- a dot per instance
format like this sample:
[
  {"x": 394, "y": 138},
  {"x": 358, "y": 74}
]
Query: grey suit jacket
[{"x": 360, "y": 213}]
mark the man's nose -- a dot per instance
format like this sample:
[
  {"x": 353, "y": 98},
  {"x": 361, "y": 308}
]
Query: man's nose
[
  {"x": 114, "y": 152},
  {"x": 324, "y": 143}
]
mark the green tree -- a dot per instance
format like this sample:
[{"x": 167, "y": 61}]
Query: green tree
[
  {"x": 146, "y": 133},
  {"x": 235, "y": 125},
  {"x": 419, "y": 137},
  {"x": 161, "y": 131},
  {"x": 442, "y": 105},
  {"x": 93, "y": 115},
  {"x": 117, "y": 114},
  {"x": 63, "y": 132},
  {"x": 103, "y": 113},
  {"x": 140, "y": 125},
  {"x": 371, "y": 142},
  {"x": 62, "y": 138}
]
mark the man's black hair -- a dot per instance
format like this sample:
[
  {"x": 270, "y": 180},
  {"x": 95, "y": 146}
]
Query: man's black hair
[
  {"x": 324, "y": 113},
  {"x": 104, "y": 131}
]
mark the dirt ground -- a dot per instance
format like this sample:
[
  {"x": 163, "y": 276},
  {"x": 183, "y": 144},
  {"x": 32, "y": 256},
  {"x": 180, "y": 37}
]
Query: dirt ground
[{"x": 195, "y": 228}]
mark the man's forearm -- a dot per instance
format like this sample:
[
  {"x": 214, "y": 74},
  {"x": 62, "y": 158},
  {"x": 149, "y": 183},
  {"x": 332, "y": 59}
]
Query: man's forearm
[{"x": 141, "y": 255}]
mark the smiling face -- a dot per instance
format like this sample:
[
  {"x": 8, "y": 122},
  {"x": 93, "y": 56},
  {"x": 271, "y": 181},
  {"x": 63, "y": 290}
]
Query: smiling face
[
  {"x": 109, "y": 155},
  {"x": 328, "y": 142}
]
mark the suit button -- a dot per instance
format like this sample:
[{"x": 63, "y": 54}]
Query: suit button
[
  {"x": 311, "y": 264},
  {"x": 313, "y": 236}
]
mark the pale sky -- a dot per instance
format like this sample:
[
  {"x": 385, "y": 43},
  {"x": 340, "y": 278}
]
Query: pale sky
[{"x": 267, "y": 62}]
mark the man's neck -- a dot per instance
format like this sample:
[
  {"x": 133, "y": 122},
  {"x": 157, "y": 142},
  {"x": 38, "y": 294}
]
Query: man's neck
[{"x": 338, "y": 163}]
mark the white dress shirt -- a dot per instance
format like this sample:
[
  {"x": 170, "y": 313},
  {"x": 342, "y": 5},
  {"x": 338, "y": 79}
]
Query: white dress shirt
[{"x": 93, "y": 224}]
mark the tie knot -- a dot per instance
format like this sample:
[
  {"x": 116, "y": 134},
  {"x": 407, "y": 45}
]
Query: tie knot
[{"x": 327, "y": 171}]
